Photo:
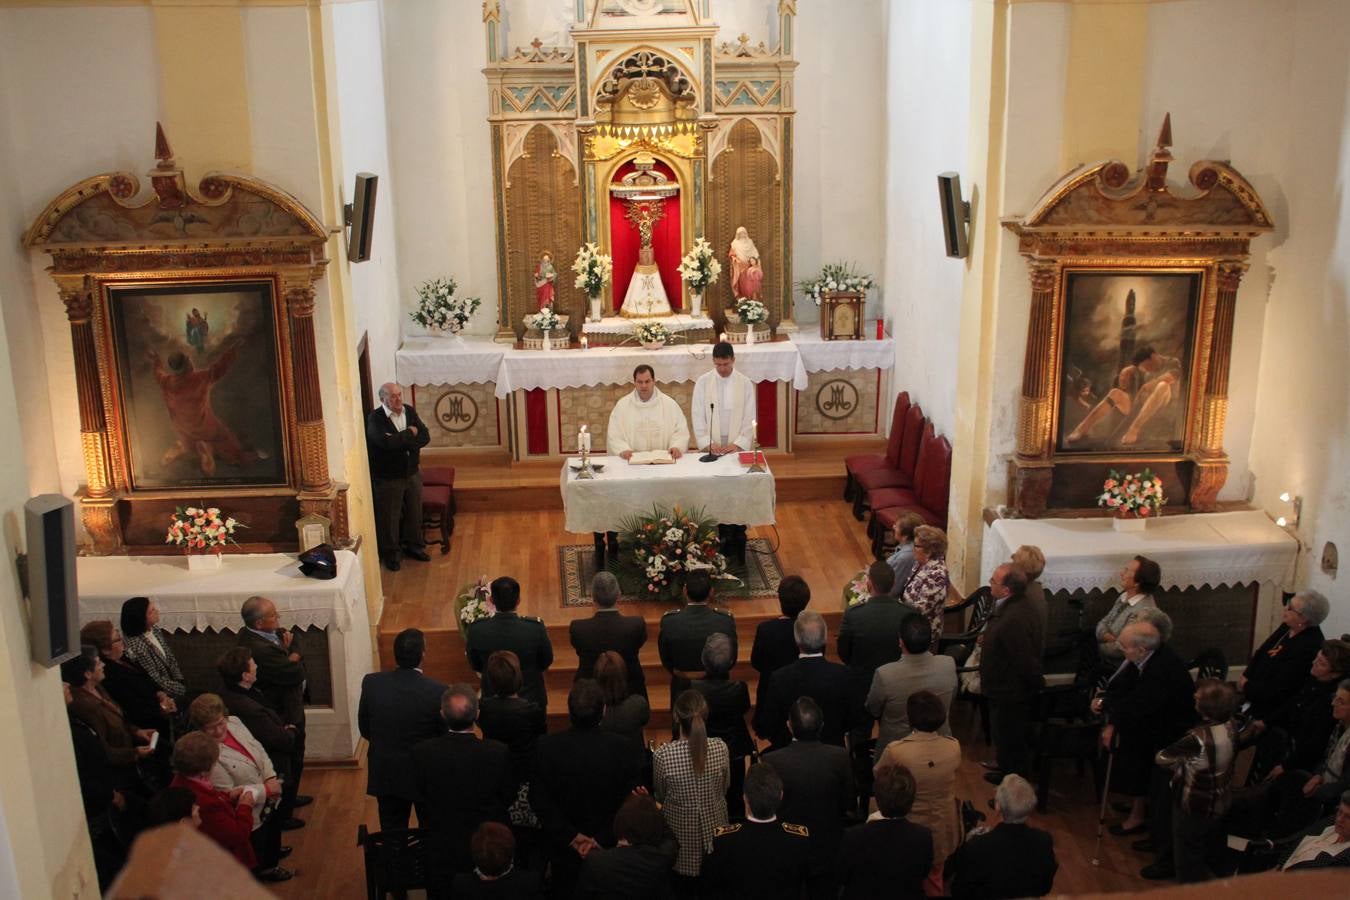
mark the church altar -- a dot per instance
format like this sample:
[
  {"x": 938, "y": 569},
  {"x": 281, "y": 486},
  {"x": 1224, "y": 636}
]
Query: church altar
[
  {"x": 724, "y": 490},
  {"x": 200, "y": 601},
  {"x": 617, "y": 329}
]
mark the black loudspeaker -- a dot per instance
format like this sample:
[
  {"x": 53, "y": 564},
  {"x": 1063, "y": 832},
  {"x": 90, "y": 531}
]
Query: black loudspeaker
[
  {"x": 955, "y": 215},
  {"x": 49, "y": 520},
  {"x": 359, "y": 215}
]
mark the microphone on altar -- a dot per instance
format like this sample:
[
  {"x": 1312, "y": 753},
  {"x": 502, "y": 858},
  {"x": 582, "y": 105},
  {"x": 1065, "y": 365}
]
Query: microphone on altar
[{"x": 710, "y": 456}]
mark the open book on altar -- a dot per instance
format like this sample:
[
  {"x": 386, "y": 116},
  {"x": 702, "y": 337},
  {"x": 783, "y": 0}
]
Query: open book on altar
[{"x": 651, "y": 458}]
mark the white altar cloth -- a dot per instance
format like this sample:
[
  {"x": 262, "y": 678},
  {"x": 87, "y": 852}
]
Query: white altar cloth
[
  {"x": 619, "y": 325},
  {"x": 211, "y": 599},
  {"x": 723, "y": 489},
  {"x": 820, "y": 355},
  {"x": 526, "y": 370},
  {"x": 1232, "y": 548},
  {"x": 448, "y": 360}
]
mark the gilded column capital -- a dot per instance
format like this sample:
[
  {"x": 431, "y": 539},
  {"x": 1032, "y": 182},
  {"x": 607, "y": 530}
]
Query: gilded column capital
[
  {"x": 79, "y": 305},
  {"x": 1043, "y": 277},
  {"x": 299, "y": 300},
  {"x": 1230, "y": 275}
]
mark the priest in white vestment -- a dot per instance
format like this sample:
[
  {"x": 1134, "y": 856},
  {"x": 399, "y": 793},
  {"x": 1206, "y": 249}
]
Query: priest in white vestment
[
  {"x": 723, "y": 410},
  {"x": 646, "y": 420}
]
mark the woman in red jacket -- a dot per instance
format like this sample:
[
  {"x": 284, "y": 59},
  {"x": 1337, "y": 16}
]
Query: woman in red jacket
[{"x": 227, "y": 818}]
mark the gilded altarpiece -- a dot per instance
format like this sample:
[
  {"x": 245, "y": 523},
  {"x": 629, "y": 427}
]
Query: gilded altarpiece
[
  {"x": 171, "y": 248},
  {"x": 1133, "y": 292}
]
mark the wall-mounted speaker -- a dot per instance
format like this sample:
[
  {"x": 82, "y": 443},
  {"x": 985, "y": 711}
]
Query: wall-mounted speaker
[
  {"x": 49, "y": 521},
  {"x": 359, "y": 216},
  {"x": 955, "y": 215}
]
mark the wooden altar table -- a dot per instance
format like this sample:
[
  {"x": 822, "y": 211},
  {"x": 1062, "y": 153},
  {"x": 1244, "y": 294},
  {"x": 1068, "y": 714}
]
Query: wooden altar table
[{"x": 210, "y": 600}]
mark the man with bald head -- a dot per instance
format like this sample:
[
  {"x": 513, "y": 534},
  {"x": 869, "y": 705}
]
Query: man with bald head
[{"x": 395, "y": 436}]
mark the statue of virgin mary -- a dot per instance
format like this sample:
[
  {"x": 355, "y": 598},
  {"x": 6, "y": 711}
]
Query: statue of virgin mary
[{"x": 746, "y": 272}]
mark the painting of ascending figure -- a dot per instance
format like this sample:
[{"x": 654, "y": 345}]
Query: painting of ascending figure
[
  {"x": 202, "y": 402},
  {"x": 1127, "y": 361}
]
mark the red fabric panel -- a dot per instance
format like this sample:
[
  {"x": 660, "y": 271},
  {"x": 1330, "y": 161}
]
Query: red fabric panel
[
  {"x": 897, "y": 430},
  {"x": 893, "y": 496},
  {"x": 881, "y": 477},
  {"x": 623, "y": 241},
  {"x": 536, "y": 421},
  {"x": 864, "y": 462},
  {"x": 909, "y": 442},
  {"x": 927, "y": 446},
  {"x": 766, "y": 409}
]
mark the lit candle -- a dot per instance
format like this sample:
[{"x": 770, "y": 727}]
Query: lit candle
[
  {"x": 722, "y": 337},
  {"x": 754, "y": 428},
  {"x": 584, "y": 342},
  {"x": 584, "y": 440}
]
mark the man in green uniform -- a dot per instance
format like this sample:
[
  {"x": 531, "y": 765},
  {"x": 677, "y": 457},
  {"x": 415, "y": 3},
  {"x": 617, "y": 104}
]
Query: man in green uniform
[
  {"x": 763, "y": 856},
  {"x": 525, "y": 636},
  {"x": 683, "y": 632}
]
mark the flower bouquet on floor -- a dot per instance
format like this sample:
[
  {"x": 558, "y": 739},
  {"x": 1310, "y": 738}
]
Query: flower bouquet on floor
[
  {"x": 1133, "y": 497},
  {"x": 855, "y": 591},
  {"x": 656, "y": 551},
  {"x": 439, "y": 310},
  {"x": 203, "y": 533},
  {"x": 473, "y": 603}
]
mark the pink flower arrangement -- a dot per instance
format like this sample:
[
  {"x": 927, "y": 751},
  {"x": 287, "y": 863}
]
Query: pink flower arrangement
[
  {"x": 201, "y": 528},
  {"x": 1133, "y": 494}
]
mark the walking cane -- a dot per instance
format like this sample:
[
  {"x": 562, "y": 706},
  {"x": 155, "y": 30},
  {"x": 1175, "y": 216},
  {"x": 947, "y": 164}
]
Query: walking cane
[{"x": 1106, "y": 798}]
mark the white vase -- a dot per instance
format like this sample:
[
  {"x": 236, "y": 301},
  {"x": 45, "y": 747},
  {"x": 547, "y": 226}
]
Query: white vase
[
  {"x": 750, "y": 333},
  {"x": 695, "y": 305},
  {"x": 548, "y": 344},
  {"x": 1122, "y": 523},
  {"x": 203, "y": 562},
  {"x": 595, "y": 309}
]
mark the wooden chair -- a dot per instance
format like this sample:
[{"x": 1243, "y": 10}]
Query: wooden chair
[
  {"x": 396, "y": 861},
  {"x": 1064, "y": 726},
  {"x": 438, "y": 503},
  {"x": 903, "y": 475},
  {"x": 865, "y": 462},
  {"x": 960, "y": 646}
]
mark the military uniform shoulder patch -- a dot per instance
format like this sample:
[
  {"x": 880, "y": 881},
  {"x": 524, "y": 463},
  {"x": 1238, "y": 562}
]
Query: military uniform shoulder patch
[
  {"x": 727, "y": 829},
  {"x": 799, "y": 830},
  {"x": 533, "y": 619},
  {"x": 670, "y": 612}
]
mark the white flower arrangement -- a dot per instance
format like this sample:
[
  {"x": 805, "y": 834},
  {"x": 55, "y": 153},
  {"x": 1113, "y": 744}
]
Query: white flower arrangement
[
  {"x": 855, "y": 591},
  {"x": 593, "y": 270},
  {"x": 1133, "y": 494},
  {"x": 201, "y": 528},
  {"x": 837, "y": 277},
  {"x": 475, "y": 602},
  {"x": 439, "y": 309},
  {"x": 752, "y": 312},
  {"x": 652, "y": 333},
  {"x": 544, "y": 320},
  {"x": 700, "y": 267}
]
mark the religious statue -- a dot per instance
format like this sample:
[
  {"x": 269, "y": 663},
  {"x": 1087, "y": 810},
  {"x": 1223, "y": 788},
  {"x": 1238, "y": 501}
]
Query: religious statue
[
  {"x": 747, "y": 275},
  {"x": 544, "y": 274},
  {"x": 644, "y": 191}
]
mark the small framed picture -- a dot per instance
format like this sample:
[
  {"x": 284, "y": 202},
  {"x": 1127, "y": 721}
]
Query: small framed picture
[{"x": 314, "y": 530}]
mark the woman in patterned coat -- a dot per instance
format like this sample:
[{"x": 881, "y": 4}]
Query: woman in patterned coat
[
  {"x": 690, "y": 776},
  {"x": 147, "y": 646},
  {"x": 927, "y": 588}
]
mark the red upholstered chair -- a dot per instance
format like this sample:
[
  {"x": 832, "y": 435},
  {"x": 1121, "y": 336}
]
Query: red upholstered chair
[
  {"x": 902, "y": 475},
  {"x": 438, "y": 503},
  {"x": 866, "y": 462},
  {"x": 929, "y": 497}
]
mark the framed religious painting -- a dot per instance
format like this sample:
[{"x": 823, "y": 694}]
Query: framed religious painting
[
  {"x": 1127, "y": 353},
  {"x": 200, "y": 384}
]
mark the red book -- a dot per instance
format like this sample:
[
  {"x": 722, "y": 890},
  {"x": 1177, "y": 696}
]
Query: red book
[{"x": 747, "y": 458}]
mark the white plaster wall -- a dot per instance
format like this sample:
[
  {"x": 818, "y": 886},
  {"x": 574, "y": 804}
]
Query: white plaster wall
[
  {"x": 756, "y": 18},
  {"x": 927, "y": 95},
  {"x": 840, "y": 162},
  {"x": 360, "y": 93},
  {"x": 437, "y": 111}
]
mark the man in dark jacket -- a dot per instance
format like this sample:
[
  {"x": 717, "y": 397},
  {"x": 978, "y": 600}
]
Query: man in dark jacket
[
  {"x": 684, "y": 631},
  {"x": 609, "y": 629},
  {"x": 525, "y": 636},
  {"x": 639, "y": 864},
  {"x": 1280, "y": 665},
  {"x": 395, "y": 436},
  {"x": 889, "y": 856},
  {"x": 763, "y": 857},
  {"x": 243, "y": 699},
  {"x": 1012, "y": 859},
  {"x": 812, "y": 675},
  {"x": 1011, "y": 668},
  {"x": 398, "y": 710}
]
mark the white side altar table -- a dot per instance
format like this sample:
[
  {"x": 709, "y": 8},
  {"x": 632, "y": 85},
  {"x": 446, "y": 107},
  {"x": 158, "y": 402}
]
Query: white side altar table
[
  {"x": 200, "y": 600},
  {"x": 723, "y": 489}
]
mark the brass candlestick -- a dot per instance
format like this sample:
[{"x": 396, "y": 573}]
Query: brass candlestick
[
  {"x": 585, "y": 472},
  {"x": 755, "y": 464}
]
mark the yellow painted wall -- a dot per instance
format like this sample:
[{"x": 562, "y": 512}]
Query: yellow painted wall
[{"x": 1104, "y": 88}]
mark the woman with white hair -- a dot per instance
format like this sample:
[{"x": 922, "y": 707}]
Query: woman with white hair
[
  {"x": 1280, "y": 665},
  {"x": 1010, "y": 860}
]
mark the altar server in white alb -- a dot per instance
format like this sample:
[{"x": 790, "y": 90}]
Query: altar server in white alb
[{"x": 723, "y": 409}]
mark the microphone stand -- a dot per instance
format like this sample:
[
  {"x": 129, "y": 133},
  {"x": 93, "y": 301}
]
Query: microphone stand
[{"x": 710, "y": 456}]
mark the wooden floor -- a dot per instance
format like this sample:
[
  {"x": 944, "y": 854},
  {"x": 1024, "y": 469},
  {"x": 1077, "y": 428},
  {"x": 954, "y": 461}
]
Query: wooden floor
[{"x": 510, "y": 522}]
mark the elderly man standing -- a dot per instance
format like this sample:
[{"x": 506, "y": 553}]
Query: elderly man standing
[
  {"x": 1011, "y": 669},
  {"x": 814, "y": 676},
  {"x": 1010, "y": 860},
  {"x": 723, "y": 413},
  {"x": 281, "y": 679},
  {"x": 916, "y": 670},
  {"x": 609, "y": 629},
  {"x": 395, "y": 436}
]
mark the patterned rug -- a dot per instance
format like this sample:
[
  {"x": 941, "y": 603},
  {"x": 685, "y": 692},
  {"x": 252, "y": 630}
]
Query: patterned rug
[{"x": 763, "y": 573}]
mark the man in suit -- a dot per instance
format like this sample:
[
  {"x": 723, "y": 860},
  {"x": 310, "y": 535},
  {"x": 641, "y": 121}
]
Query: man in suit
[
  {"x": 1011, "y": 663},
  {"x": 888, "y": 856},
  {"x": 525, "y": 636},
  {"x": 609, "y": 629},
  {"x": 684, "y": 631},
  {"x": 280, "y": 679},
  {"x": 395, "y": 436},
  {"x": 1010, "y": 860},
  {"x": 579, "y": 779},
  {"x": 916, "y": 670},
  {"x": 461, "y": 780},
  {"x": 398, "y": 710},
  {"x": 762, "y": 857},
  {"x": 817, "y": 790},
  {"x": 810, "y": 676},
  {"x": 775, "y": 645}
]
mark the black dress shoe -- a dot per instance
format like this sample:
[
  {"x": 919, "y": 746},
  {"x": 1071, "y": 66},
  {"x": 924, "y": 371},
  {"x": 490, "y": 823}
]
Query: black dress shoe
[
  {"x": 292, "y": 823},
  {"x": 1120, "y": 831},
  {"x": 285, "y": 852},
  {"x": 391, "y": 563},
  {"x": 991, "y": 765},
  {"x": 417, "y": 553},
  {"x": 1158, "y": 871},
  {"x": 994, "y": 778},
  {"x": 275, "y": 874},
  {"x": 1145, "y": 846},
  {"x": 302, "y": 800}
]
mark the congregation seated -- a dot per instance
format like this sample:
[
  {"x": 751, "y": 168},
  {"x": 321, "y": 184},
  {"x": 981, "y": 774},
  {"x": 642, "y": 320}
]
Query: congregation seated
[
  {"x": 689, "y": 780},
  {"x": 495, "y": 875},
  {"x": 1280, "y": 665},
  {"x": 226, "y": 816},
  {"x": 887, "y": 856},
  {"x": 728, "y": 703},
  {"x": 764, "y": 857},
  {"x": 775, "y": 645},
  {"x": 626, "y": 714},
  {"x": 124, "y": 745},
  {"x": 811, "y": 675},
  {"x": 933, "y": 760},
  {"x": 928, "y": 586},
  {"x": 1010, "y": 860},
  {"x": 1323, "y": 846},
  {"x": 241, "y": 762},
  {"x": 145, "y": 643},
  {"x": 640, "y": 862},
  {"x": 1295, "y": 734},
  {"x": 145, "y": 704},
  {"x": 1139, "y": 578}
]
